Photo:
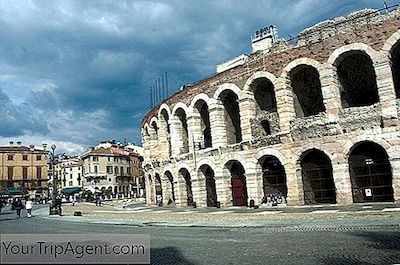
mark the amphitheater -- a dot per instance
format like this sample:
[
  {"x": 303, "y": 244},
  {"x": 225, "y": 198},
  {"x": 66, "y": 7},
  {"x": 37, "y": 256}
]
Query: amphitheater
[{"x": 313, "y": 120}]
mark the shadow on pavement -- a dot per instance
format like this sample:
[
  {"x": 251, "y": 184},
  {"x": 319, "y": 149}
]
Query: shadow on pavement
[
  {"x": 168, "y": 255},
  {"x": 380, "y": 248}
]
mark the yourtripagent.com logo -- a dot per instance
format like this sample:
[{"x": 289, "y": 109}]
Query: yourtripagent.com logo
[{"x": 75, "y": 248}]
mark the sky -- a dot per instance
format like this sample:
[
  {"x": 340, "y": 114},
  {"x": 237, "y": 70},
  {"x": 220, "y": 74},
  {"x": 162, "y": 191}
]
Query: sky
[{"x": 74, "y": 73}]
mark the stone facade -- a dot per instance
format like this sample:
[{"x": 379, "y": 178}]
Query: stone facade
[{"x": 312, "y": 122}]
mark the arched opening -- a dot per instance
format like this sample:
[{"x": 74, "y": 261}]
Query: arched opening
[
  {"x": 182, "y": 130},
  {"x": 266, "y": 126},
  {"x": 155, "y": 128},
  {"x": 370, "y": 173},
  {"x": 211, "y": 189},
  {"x": 264, "y": 94},
  {"x": 171, "y": 189},
  {"x": 158, "y": 186},
  {"x": 238, "y": 183},
  {"x": 395, "y": 57},
  {"x": 165, "y": 120},
  {"x": 318, "y": 184},
  {"x": 357, "y": 80},
  {"x": 274, "y": 179},
  {"x": 187, "y": 187},
  {"x": 202, "y": 108},
  {"x": 232, "y": 116},
  {"x": 306, "y": 86}
]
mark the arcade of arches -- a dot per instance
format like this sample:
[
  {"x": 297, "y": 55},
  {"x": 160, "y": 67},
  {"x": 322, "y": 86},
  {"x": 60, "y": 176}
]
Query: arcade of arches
[{"x": 281, "y": 129}]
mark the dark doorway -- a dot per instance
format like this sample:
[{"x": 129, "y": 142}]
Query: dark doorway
[
  {"x": 171, "y": 185},
  {"x": 232, "y": 117},
  {"x": 357, "y": 80},
  {"x": 238, "y": 183},
  {"x": 188, "y": 186},
  {"x": 317, "y": 176},
  {"x": 370, "y": 173},
  {"x": 306, "y": 86},
  {"x": 274, "y": 177},
  {"x": 202, "y": 108},
  {"x": 158, "y": 185},
  {"x": 208, "y": 174},
  {"x": 396, "y": 69},
  {"x": 264, "y": 94},
  {"x": 183, "y": 130},
  {"x": 165, "y": 116}
]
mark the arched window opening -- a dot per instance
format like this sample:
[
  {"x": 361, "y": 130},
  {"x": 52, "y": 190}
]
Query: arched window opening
[
  {"x": 211, "y": 189},
  {"x": 396, "y": 69},
  {"x": 370, "y": 173},
  {"x": 357, "y": 80},
  {"x": 170, "y": 180},
  {"x": 232, "y": 117},
  {"x": 318, "y": 184},
  {"x": 183, "y": 130},
  {"x": 155, "y": 128},
  {"x": 238, "y": 183},
  {"x": 158, "y": 186},
  {"x": 266, "y": 126},
  {"x": 264, "y": 95},
  {"x": 306, "y": 86},
  {"x": 202, "y": 108},
  {"x": 274, "y": 180},
  {"x": 165, "y": 117},
  {"x": 187, "y": 186}
]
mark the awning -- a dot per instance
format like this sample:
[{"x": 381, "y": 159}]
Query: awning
[
  {"x": 71, "y": 190},
  {"x": 13, "y": 191}
]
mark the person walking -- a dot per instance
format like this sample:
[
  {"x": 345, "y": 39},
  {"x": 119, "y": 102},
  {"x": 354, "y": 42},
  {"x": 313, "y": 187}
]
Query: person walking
[
  {"x": 28, "y": 206},
  {"x": 18, "y": 207}
]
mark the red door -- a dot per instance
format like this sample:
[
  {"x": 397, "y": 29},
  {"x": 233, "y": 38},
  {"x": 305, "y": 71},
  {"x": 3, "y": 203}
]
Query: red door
[{"x": 239, "y": 192}]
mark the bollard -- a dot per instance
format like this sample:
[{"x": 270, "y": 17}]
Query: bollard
[{"x": 251, "y": 203}]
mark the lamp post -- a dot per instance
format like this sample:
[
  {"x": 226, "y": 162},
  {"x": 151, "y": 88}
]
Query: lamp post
[{"x": 53, "y": 208}]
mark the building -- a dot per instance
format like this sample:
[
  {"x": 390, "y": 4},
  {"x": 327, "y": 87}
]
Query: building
[
  {"x": 313, "y": 120},
  {"x": 107, "y": 168},
  {"x": 135, "y": 162},
  {"x": 24, "y": 168},
  {"x": 68, "y": 171}
]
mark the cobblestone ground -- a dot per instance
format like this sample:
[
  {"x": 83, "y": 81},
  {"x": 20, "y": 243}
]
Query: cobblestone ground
[{"x": 349, "y": 239}]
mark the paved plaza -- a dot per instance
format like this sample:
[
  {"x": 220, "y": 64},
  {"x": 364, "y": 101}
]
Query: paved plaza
[{"x": 237, "y": 235}]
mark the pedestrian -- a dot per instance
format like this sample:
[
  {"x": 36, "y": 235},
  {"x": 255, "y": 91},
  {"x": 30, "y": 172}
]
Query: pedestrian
[
  {"x": 18, "y": 207},
  {"x": 28, "y": 206}
]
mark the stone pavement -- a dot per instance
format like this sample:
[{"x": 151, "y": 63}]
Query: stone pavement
[{"x": 140, "y": 214}]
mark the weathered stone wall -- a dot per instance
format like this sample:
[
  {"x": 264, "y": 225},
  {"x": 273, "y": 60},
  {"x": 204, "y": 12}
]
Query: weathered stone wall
[{"x": 335, "y": 131}]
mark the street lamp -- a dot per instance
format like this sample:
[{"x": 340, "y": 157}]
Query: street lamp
[{"x": 53, "y": 208}]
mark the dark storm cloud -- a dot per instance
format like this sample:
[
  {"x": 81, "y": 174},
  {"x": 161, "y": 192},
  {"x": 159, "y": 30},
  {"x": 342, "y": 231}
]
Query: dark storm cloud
[{"x": 80, "y": 71}]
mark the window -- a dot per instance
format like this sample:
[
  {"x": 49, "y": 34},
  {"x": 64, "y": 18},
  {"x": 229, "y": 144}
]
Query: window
[
  {"x": 38, "y": 157},
  {"x": 10, "y": 157},
  {"x": 25, "y": 157},
  {"x": 128, "y": 170},
  {"x": 109, "y": 169},
  {"x": 10, "y": 171},
  {"x": 109, "y": 159},
  {"x": 95, "y": 158},
  {"x": 95, "y": 169},
  {"x": 116, "y": 170},
  {"x": 70, "y": 183},
  {"x": 39, "y": 172},
  {"x": 25, "y": 173},
  {"x": 70, "y": 176},
  {"x": 122, "y": 171}
]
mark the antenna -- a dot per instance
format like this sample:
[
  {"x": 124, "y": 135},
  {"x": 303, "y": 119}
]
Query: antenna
[
  {"x": 162, "y": 84},
  {"x": 166, "y": 82}
]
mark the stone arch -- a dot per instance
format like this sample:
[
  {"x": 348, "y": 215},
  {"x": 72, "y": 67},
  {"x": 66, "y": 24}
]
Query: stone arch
[
  {"x": 164, "y": 116},
  {"x": 392, "y": 49},
  {"x": 355, "y": 71},
  {"x": 198, "y": 97},
  {"x": 270, "y": 152},
  {"x": 205, "y": 161},
  {"x": 202, "y": 123},
  {"x": 274, "y": 179},
  {"x": 185, "y": 186},
  {"x": 206, "y": 173},
  {"x": 257, "y": 75},
  {"x": 226, "y": 86},
  {"x": 303, "y": 75},
  {"x": 370, "y": 173},
  {"x": 180, "y": 128},
  {"x": 317, "y": 177},
  {"x": 170, "y": 187},
  {"x": 236, "y": 171},
  {"x": 164, "y": 107},
  {"x": 229, "y": 99}
]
